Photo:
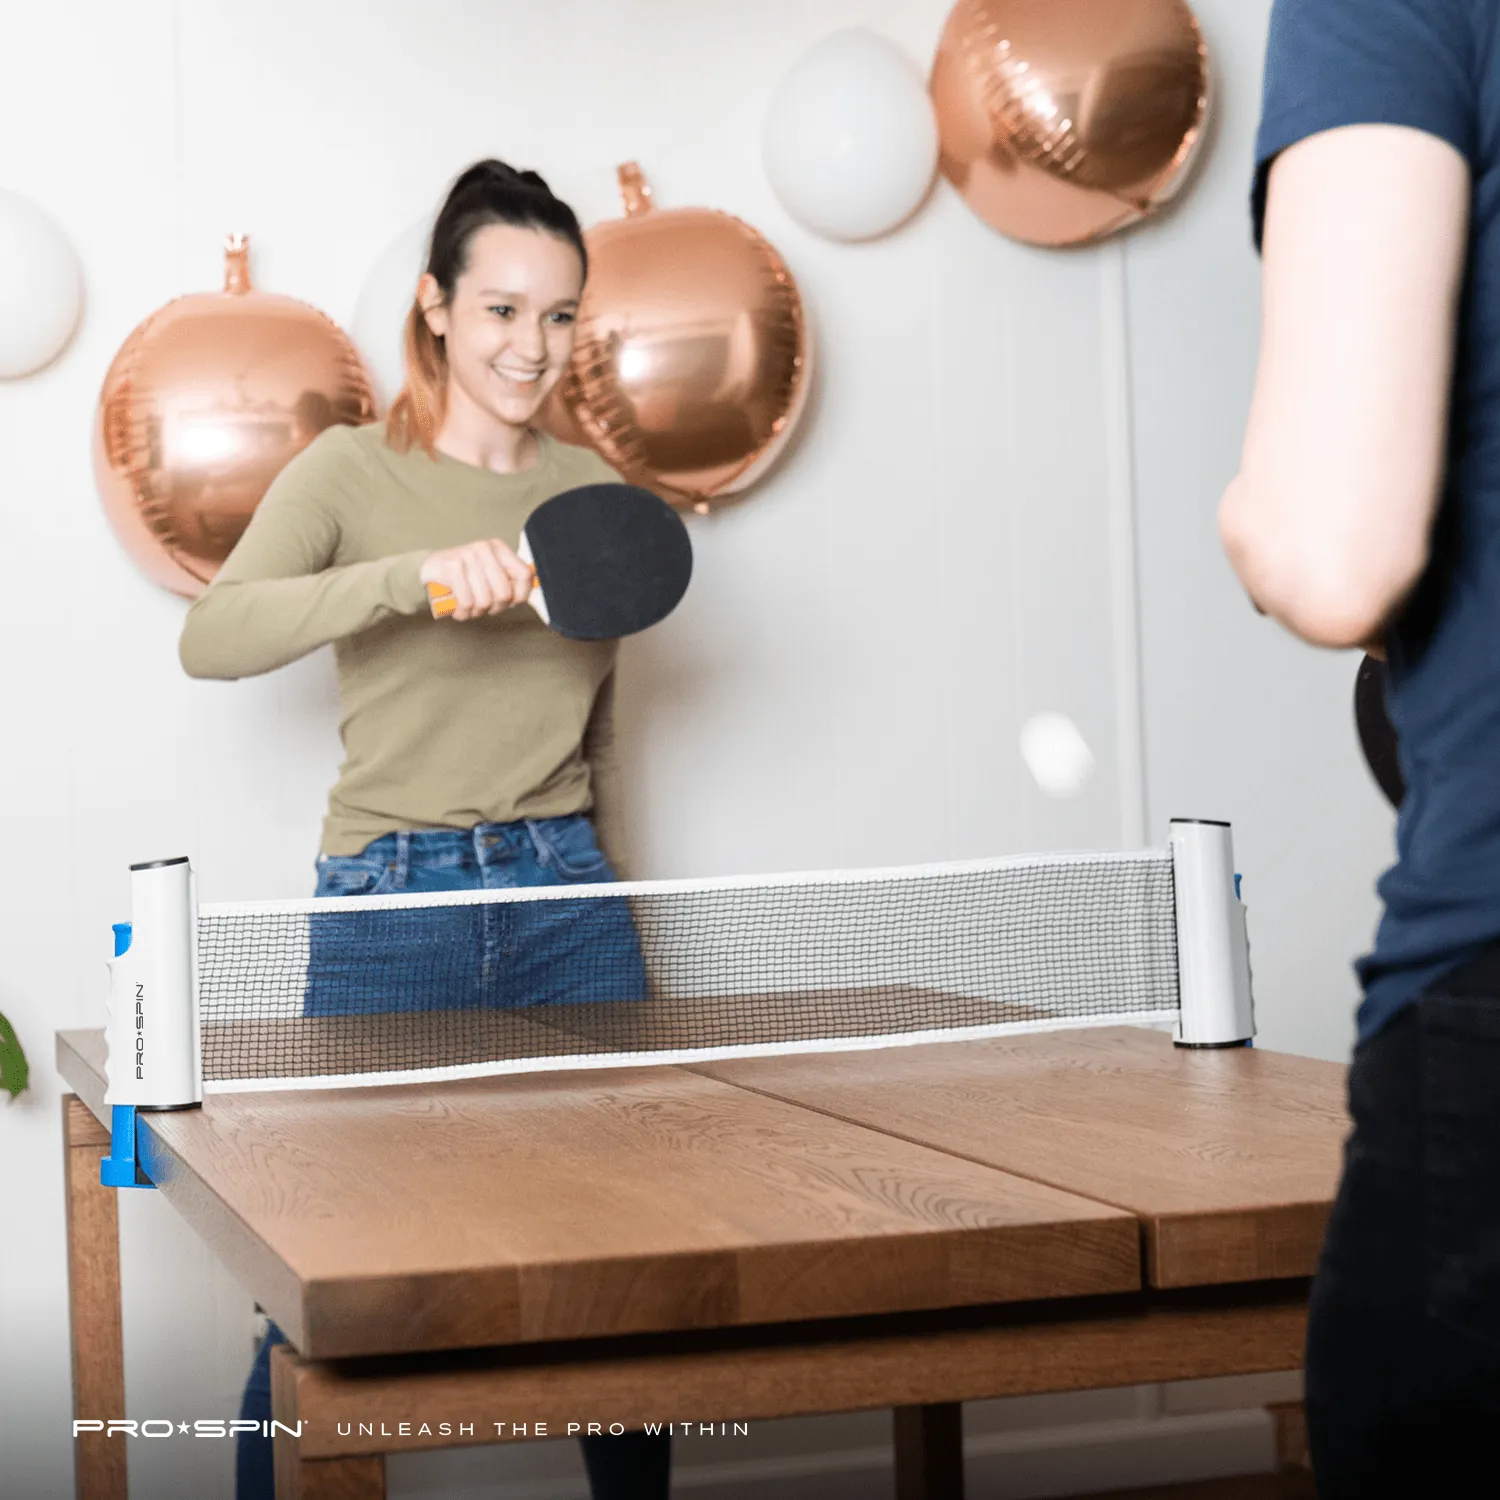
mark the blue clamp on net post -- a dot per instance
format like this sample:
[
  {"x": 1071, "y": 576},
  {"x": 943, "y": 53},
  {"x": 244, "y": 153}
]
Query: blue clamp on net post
[
  {"x": 1249, "y": 1041},
  {"x": 122, "y": 1167}
]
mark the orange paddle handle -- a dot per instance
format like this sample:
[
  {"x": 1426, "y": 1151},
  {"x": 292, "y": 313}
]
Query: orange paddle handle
[{"x": 443, "y": 603}]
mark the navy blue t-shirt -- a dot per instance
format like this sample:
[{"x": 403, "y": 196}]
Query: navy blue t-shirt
[{"x": 1431, "y": 65}]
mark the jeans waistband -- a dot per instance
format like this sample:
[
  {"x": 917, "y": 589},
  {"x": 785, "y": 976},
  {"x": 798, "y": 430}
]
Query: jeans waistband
[{"x": 485, "y": 843}]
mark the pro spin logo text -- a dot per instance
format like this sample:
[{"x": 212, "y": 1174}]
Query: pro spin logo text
[{"x": 163, "y": 1427}]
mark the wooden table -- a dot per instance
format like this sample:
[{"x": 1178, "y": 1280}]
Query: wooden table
[{"x": 909, "y": 1228}]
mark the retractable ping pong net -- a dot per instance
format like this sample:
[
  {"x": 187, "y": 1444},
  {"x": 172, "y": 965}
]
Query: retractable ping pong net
[{"x": 392, "y": 989}]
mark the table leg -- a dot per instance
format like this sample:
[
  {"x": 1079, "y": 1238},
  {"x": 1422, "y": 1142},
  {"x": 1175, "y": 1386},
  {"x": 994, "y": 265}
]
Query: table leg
[
  {"x": 929, "y": 1452},
  {"x": 93, "y": 1236},
  {"x": 1293, "y": 1461},
  {"x": 299, "y": 1478}
]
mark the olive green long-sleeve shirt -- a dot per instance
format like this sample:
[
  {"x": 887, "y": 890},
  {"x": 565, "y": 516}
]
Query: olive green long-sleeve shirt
[{"x": 445, "y": 724}]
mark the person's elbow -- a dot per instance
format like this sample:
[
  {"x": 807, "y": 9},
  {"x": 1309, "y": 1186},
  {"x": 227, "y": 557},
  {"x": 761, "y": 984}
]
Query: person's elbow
[
  {"x": 1343, "y": 612},
  {"x": 200, "y": 646},
  {"x": 200, "y": 660},
  {"x": 1332, "y": 585}
]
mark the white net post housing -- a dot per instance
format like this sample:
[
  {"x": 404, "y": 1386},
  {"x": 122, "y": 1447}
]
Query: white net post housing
[
  {"x": 1213, "y": 954},
  {"x": 152, "y": 1034}
]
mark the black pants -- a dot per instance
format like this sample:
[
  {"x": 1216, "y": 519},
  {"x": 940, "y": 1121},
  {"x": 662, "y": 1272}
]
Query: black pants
[
  {"x": 1403, "y": 1344},
  {"x": 633, "y": 1466}
]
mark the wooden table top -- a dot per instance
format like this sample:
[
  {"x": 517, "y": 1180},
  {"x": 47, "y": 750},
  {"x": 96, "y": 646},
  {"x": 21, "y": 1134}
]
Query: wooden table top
[
  {"x": 1229, "y": 1158},
  {"x": 570, "y": 1205}
]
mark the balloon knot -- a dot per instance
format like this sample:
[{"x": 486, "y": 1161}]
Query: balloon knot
[
  {"x": 635, "y": 191},
  {"x": 237, "y": 263}
]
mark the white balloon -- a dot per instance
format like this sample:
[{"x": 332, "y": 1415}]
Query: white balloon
[
  {"x": 1056, "y": 754},
  {"x": 41, "y": 287},
  {"x": 378, "y": 326},
  {"x": 850, "y": 143}
]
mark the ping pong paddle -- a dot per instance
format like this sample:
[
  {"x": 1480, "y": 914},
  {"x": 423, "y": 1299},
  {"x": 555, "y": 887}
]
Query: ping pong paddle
[
  {"x": 1377, "y": 735},
  {"x": 607, "y": 560}
]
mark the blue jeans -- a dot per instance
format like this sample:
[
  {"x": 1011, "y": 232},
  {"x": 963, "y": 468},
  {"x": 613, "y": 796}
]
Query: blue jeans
[
  {"x": 499, "y": 956},
  {"x": 552, "y": 952}
]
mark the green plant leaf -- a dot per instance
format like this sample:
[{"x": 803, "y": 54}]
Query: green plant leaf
[{"x": 13, "y": 1069}]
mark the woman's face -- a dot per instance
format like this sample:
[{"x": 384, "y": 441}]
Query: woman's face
[{"x": 508, "y": 328}]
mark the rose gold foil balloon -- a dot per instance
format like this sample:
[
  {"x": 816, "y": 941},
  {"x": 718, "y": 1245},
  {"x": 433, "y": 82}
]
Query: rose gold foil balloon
[
  {"x": 204, "y": 404},
  {"x": 691, "y": 366},
  {"x": 1064, "y": 120}
]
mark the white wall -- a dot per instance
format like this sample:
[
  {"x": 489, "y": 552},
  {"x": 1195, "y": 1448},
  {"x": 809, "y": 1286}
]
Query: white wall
[{"x": 824, "y": 699}]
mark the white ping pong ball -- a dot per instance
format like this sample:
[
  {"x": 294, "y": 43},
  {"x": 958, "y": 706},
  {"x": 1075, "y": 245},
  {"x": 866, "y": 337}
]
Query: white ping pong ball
[{"x": 1056, "y": 754}]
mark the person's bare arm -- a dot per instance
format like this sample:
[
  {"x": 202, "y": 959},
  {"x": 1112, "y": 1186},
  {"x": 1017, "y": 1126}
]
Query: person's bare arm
[{"x": 1329, "y": 519}]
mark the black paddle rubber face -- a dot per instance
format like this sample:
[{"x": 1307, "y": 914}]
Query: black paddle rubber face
[
  {"x": 611, "y": 559},
  {"x": 1377, "y": 736}
]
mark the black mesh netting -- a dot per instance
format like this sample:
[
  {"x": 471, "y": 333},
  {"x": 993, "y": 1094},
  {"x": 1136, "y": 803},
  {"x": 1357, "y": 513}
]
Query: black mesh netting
[{"x": 506, "y": 979}]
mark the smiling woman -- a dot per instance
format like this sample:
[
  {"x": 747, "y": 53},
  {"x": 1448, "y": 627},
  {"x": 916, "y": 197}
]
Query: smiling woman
[
  {"x": 491, "y": 330},
  {"x": 479, "y": 748}
]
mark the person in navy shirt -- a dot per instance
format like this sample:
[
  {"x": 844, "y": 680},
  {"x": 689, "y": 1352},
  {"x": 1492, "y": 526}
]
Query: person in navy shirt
[{"x": 1366, "y": 513}]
